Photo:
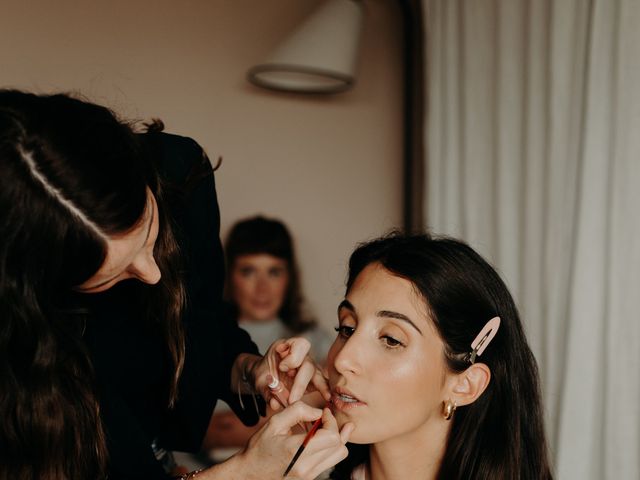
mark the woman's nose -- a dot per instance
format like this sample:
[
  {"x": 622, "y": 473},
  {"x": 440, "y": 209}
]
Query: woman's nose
[
  {"x": 262, "y": 284},
  {"x": 145, "y": 269},
  {"x": 347, "y": 360}
]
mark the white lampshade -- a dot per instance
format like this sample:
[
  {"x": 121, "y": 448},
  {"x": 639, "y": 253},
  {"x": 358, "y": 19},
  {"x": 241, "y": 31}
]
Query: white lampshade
[{"x": 319, "y": 56}]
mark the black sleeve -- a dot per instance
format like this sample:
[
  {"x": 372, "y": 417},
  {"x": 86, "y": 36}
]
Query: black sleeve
[
  {"x": 213, "y": 340},
  {"x": 130, "y": 453}
]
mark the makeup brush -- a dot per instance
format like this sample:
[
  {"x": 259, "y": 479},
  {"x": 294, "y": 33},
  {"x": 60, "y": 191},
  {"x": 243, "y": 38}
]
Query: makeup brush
[{"x": 308, "y": 436}]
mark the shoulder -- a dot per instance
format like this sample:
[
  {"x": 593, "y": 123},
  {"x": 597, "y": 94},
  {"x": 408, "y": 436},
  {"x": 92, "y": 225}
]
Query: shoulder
[
  {"x": 264, "y": 334},
  {"x": 321, "y": 341},
  {"x": 344, "y": 472},
  {"x": 176, "y": 157},
  {"x": 318, "y": 332},
  {"x": 359, "y": 473}
]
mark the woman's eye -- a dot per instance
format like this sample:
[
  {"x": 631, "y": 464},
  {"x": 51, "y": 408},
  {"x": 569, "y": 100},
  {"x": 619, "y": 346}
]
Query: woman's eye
[
  {"x": 246, "y": 271},
  {"x": 345, "y": 331},
  {"x": 391, "y": 342}
]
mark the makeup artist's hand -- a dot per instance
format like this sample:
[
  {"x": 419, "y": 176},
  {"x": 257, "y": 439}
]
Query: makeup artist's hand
[
  {"x": 270, "y": 450},
  {"x": 289, "y": 361}
]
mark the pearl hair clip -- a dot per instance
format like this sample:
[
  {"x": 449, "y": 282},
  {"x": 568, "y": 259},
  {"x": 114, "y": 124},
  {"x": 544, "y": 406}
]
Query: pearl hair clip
[{"x": 482, "y": 340}]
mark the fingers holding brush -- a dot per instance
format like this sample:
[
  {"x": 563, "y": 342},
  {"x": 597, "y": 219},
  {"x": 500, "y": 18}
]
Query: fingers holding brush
[
  {"x": 271, "y": 448},
  {"x": 321, "y": 449}
]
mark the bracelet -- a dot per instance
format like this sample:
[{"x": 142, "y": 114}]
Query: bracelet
[
  {"x": 189, "y": 476},
  {"x": 245, "y": 381}
]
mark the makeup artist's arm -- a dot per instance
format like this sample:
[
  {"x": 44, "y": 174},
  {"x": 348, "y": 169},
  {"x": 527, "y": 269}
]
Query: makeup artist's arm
[
  {"x": 213, "y": 339},
  {"x": 271, "y": 449},
  {"x": 294, "y": 366}
]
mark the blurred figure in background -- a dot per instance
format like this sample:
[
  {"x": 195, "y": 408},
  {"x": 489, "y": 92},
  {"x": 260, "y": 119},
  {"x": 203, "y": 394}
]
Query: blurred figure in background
[
  {"x": 263, "y": 285},
  {"x": 264, "y": 296}
]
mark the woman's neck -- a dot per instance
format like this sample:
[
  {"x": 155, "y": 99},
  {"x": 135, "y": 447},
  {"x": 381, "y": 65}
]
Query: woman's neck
[
  {"x": 253, "y": 321},
  {"x": 417, "y": 454}
]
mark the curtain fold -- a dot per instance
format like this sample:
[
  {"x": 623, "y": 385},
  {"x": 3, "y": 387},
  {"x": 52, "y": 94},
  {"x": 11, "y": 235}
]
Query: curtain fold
[{"x": 532, "y": 134}]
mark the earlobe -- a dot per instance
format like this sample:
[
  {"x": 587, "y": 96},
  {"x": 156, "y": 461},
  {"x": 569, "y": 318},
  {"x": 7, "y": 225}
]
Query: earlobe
[{"x": 471, "y": 384}]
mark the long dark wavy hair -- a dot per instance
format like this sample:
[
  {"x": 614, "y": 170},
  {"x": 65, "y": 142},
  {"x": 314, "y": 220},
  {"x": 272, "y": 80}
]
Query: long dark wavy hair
[
  {"x": 501, "y": 435},
  {"x": 265, "y": 235},
  {"x": 71, "y": 175}
]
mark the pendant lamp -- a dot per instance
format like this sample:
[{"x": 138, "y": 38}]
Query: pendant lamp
[{"x": 319, "y": 56}]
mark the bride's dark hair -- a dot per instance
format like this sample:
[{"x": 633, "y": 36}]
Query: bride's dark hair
[{"x": 72, "y": 176}]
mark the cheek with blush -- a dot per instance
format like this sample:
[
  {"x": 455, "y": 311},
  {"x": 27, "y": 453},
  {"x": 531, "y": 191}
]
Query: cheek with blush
[{"x": 404, "y": 397}]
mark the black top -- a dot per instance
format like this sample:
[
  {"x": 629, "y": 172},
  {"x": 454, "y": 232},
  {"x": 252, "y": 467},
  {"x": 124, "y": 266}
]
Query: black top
[{"x": 130, "y": 358}]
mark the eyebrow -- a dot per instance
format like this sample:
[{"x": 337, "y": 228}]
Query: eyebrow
[
  {"x": 146, "y": 239},
  {"x": 381, "y": 314}
]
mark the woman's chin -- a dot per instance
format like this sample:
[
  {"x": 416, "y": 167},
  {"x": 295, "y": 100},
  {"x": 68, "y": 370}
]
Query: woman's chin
[
  {"x": 254, "y": 317},
  {"x": 262, "y": 315},
  {"x": 358, "y": 438},
  {"x": 355, "y": 437},
  {"x": 357, "y": 441}
]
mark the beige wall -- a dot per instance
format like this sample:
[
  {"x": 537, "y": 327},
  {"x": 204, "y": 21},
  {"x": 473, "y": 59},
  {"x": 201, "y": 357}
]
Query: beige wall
[{"x": 329, "y": 166}]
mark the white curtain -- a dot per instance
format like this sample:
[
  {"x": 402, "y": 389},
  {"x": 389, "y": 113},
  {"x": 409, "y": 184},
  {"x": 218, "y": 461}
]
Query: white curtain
[{"x": 533, "y": 156}]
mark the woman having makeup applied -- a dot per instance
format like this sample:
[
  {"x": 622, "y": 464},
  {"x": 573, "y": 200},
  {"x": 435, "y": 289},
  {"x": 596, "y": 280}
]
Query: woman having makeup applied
[
  {"x": 432, "y": 367},
  {"x": 112, "y": 346}
]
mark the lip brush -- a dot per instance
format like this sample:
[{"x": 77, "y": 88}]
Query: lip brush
[{"x": 307, "y": 437}]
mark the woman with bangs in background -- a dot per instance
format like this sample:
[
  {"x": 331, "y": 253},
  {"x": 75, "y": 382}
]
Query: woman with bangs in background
[{"x": 264, "y": 296}]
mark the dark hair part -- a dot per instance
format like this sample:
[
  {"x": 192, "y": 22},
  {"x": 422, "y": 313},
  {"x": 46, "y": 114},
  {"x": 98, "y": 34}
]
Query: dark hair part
[
  {"x": 72, "y": 175},
  {"x": 500, "y": 435},
  {"x": 264, "y": 235}
]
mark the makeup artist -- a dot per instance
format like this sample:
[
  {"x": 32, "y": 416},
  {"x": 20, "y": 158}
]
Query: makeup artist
[{"x": 112, "y": 347}]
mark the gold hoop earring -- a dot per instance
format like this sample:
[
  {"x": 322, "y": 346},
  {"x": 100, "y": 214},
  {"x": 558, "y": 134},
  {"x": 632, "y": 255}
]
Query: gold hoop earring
[{"x": 449, "y": 409}]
